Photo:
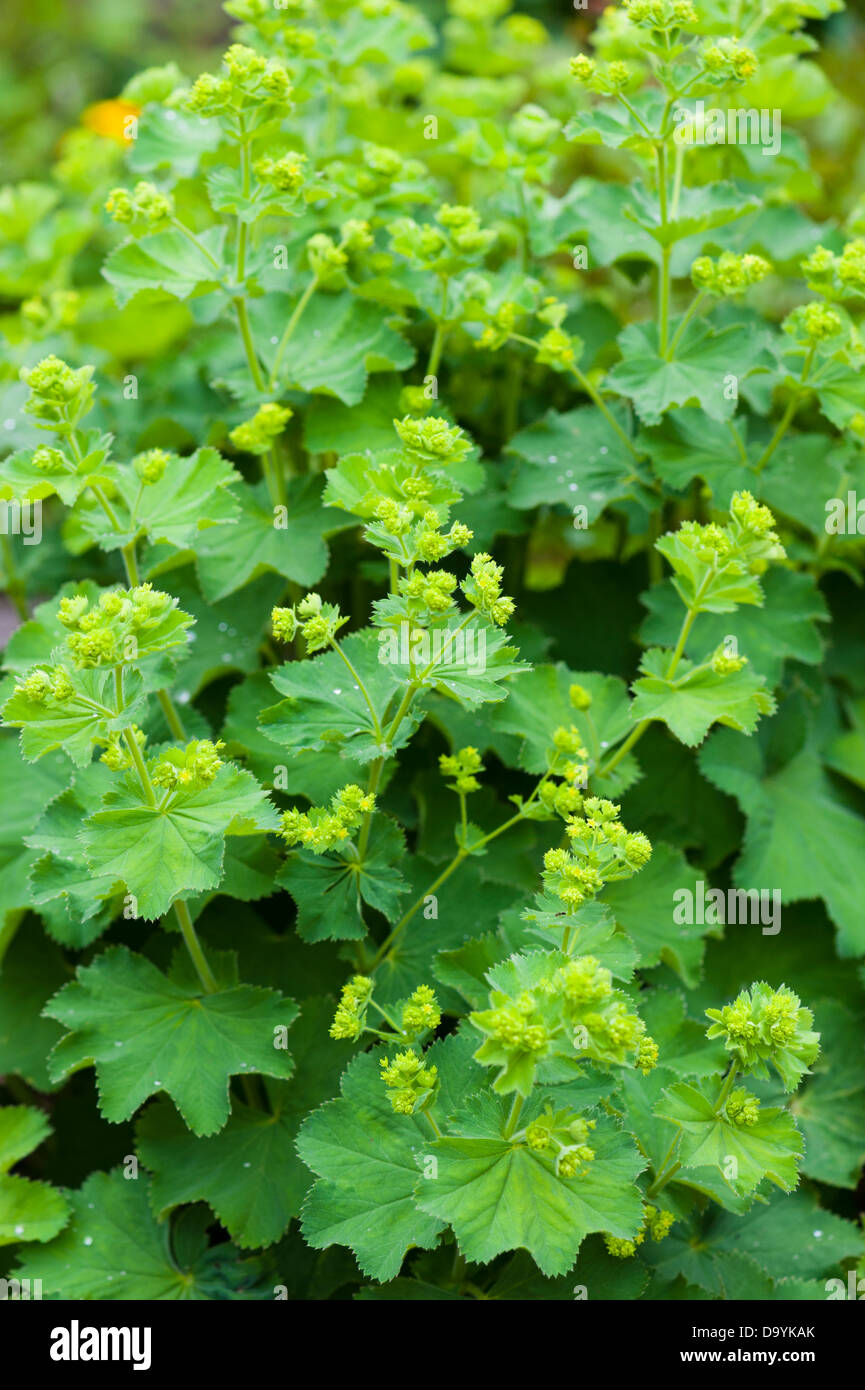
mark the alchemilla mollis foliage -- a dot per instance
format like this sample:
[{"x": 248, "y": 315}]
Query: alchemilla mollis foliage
[{"x": 434, "y": 736}]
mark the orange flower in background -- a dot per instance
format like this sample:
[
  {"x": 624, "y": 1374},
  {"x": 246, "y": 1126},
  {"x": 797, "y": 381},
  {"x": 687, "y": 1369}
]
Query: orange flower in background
[{"x": 110, "y": 118}]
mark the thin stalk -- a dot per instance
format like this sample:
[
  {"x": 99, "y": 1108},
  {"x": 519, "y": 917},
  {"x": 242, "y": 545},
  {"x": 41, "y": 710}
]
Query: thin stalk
[
  {"x": 166, "y": 704},
  {"x": 193, "y": 946},
  {"x": 686, "y": 319},
  {"x": 787, "y": 418},
  {"x": 516, "y": 1106},
  {"x": 290, "y": 327},
  {"x": 140, "y": 767}
]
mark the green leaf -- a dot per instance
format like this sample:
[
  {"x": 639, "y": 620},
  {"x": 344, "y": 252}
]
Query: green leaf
[
  {"x": 841, "y": 393},
  {"x": 147, "y": 1032},
  {"x": 618, "y": 126},
  {"x": 62, "y": 873},
  {"x": 363, "y": 1155},
  {"x": 539, "y": 703},
  {"x": 330, "y": 890},
  {"x": 697, "y": 374},
  {"x": 88, "y": 715},
  {"x": 688, "y": 444},
  {"x": 166, "y": 851},
  {"x": 643, "y": 907},
  {"x": 783, "y": 629},
  {"x": 830, "y": 1107},
  {"x": 171, "y": 139},
  {"x": 570, "y": 458},
  {"x": 801, "y": 837},
  {"x": 114, "y": 1249},
  {"x": 325, "y": 709},
  {"x": 699, "y": 210},
  {"x": 166, "y": 261},
  {"x": 339, "y": 340},
  {"x": 22, "y": 480},
  {"x": 698, "y": 697},
  {"x": 21, "y": 812},
  {"x": 469, "y": 663},
  {"x": 32, "y": 970},
  {"x": 191, "y": 496},
  {"x": 28, "y": 1210},
  {"x": 770, "y": 1148},
  {"x": 289, "y": 542},
  {"x": 499, "y": 1195},
  {"x": 249, "y": 1173}
]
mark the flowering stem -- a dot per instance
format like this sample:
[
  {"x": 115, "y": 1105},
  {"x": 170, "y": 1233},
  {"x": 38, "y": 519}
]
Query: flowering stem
[
  {"x": 193, "y": 946},
  {"x": 516, "y": 1106},
  {"x": 361, "y": 687},
  {"x": 428, "y": 1114},
  {"x": 636, "y": 734},
  {"x": 140, "y": 766},
  {"x": 290, "y": 327},
  {"x": 787, "y": 418},
  {"x": 686, "y": 319},
  {"x": 166, "y": 704},
  {"x": 463, "y": 853}
]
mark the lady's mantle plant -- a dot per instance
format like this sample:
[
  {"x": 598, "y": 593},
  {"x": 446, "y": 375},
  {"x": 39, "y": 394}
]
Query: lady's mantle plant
[{"x": 345, "y": 857}]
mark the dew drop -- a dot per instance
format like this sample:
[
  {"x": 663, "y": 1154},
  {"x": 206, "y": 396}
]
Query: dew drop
[
  {"x": 9, "y": 424},
  {"x": 603, "y": 449},
  {"x": 183, "y": 697},
  {"x": 247, "y": 1165},
  {"x": 572, "y": 487},
  {"x": 19, "y": 1231},
  {"x": 88, "y": 1240},
  {"x": 171, "y": 115},
  {"x": 604, "y": 743},
  {"x": 274, "y": 339},
  {"x": 553, "y": 458},
  {"x": 818, "y": 1235},
  {"x": 336, "y": 691},
  {"x": 223, "y": 627},
  {"x": 227, "y": 656}
]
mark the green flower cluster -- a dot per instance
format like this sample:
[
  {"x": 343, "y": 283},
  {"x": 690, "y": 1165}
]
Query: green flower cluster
[
  {"x": 349, "y": 1020},
  {"x": 421, "y": 1014},
  {"x": 656, "y": 1224},
  {"x": 144, "y": 209},
  {"x": 602, "y": 851},
  {"x": 729, "y": 274},
  {"x": 412, "y": 1085},
  {"x": 742, "y": 1108},
  {"x": 562, "y": 1135},
  {"x": 571, "y": 1010},
  {"x": 728, "y": 62},
  {"x": 286, "y": 172},
  {"x": 462, "y": 767},
  {"x": 190, "y": 768},
  {"x": 452, "y": 243},
  {"x": 249, "y": 82},
  {"x": 813, "y": 323},
  {"x": 151, "y": 465},
  {"x": 59, "y": 394},
  {"x": 319, "y": 829},
  {"x": 318, "y": 622},
  {"x": 837, "y": 277},
  {"x": 765, "y": 1026},
  {"x": 661, "y": 15},
  {"x": 483, "y": 589},
  {"x": 257, "y": 435},
  {"x": 432, "y": 441},
  {"x": 116, "y": 629}
]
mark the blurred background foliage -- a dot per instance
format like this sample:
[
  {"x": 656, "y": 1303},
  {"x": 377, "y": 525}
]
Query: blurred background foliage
[{"x": 60, "y": 57}]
